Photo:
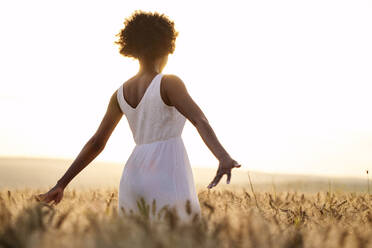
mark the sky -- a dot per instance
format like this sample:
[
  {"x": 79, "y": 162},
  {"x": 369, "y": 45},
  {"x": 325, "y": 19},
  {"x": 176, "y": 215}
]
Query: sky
[{"x": 291, "y": 80}]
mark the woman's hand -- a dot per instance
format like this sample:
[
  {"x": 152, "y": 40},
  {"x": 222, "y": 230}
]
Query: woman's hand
[
  {"x": 225, "y": 166},
  {"x": 54, "y": 194}
]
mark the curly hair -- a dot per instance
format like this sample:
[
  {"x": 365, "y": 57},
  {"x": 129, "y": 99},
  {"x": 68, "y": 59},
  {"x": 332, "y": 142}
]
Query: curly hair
[{"x": 147, "y": 35}]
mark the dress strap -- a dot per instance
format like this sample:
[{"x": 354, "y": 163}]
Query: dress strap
[{"x": 120, "y": 98}]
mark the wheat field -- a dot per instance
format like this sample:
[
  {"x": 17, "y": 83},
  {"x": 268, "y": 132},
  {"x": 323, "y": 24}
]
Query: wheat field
[{"x": 236, "y": 217}]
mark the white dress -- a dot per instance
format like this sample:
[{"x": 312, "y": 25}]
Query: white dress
[{"x": 158, "y": 167}]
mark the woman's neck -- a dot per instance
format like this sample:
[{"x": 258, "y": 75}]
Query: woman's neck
[{"x": 148, "y": 67}]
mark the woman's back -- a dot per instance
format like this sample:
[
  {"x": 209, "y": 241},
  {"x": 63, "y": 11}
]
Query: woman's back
[{"x": 151, "y": 120}]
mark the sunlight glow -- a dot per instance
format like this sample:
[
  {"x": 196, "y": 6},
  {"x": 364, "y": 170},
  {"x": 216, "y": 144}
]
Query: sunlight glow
[{"x": 286, "y": 85}]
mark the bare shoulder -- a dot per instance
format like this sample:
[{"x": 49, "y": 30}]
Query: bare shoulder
[
  {"x": 114, "y": 103},
  {"x": 129, "y": 81},
  {"x": 180, "y": 98},
  {"x": 176, "y": 92},
  {"x": 173, "y": 83}
]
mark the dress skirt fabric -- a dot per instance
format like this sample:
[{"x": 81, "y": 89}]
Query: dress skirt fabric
[{"x": 159, "y": 171}]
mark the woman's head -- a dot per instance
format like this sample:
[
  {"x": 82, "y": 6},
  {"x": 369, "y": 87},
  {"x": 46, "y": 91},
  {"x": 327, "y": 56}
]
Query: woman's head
[{"x": 147, "y": 36}]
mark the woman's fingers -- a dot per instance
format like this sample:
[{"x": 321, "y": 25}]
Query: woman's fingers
[
  {"x": 48, "y": 198},
  {"x": 41, "y": 197},
  {"x": 220, "y": 172},
  {"x": 228, "y": 177},
  {"x": 38, "y": 197},
  {"x": 55, "y": 195},
  {"x": 59, "y": 198},
  {"x": 236, "y": 164},
  {"x": 213, "y": 183},
  {"x": 216, "y": 179},
  {"x": 45, "y": 197}
]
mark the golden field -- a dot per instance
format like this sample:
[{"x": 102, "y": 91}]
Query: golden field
[
  {"x": 274, "y": 211},
  {"x": 230, "y": 218}
]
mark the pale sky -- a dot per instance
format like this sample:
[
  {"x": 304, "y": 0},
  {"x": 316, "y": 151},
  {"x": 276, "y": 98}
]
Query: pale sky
[{"x": 291, "y": 80}]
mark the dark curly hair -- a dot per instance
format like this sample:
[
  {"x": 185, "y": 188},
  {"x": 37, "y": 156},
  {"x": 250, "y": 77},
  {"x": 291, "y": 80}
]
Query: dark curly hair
[{"x": 147, "y": 35}]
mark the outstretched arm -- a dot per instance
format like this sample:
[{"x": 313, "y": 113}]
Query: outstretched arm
[
  {"x": 90, "y": 151},
  {"x": 179, "y": 97},
  {"x": 96, "y": 143}
]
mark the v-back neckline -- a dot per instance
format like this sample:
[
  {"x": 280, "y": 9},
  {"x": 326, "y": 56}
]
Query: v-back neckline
[{"x": 144, "y": 94}]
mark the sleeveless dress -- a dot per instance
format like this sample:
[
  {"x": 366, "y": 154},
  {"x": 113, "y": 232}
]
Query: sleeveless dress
[{"x": 158, "y": 167}]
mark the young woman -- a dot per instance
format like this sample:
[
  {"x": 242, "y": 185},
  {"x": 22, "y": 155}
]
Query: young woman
[{"x": 156, "y": 107}]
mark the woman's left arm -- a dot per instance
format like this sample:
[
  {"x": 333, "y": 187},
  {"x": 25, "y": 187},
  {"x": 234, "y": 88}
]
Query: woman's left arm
[{"x": 89, "y": 152}]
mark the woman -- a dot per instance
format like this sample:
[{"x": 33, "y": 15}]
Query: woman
[{"x": 156, "y": 107}]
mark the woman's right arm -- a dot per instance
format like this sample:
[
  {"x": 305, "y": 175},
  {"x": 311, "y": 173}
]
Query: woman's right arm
[
  {"x": 179, "y": 97},
  {"x": 89, "y": 152}
]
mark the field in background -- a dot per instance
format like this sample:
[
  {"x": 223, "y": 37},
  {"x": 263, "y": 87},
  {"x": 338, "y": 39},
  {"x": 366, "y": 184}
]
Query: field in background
[{"x": 43, "y": 173}]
